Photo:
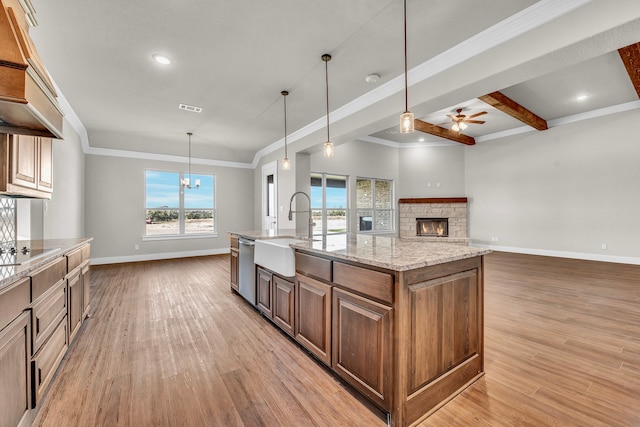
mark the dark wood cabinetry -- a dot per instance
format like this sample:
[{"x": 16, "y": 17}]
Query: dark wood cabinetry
[
  {"x": 361, "y": 345},
  {"x": 264, "y": 291},
  {"x": 284, "y": 301},
  {"x": 313, "y": 316}
]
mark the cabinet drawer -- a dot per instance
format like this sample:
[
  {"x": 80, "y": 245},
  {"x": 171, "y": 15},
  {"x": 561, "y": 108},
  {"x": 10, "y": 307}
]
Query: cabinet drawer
[
  {"x": 47, "y": 276},
  {"x": 313, "y": 266},
  {"x": 374, "y": 284},
  {"x": 86, "y": 252},
  {"x": 47, "y": 313},
  {"x": 13, "y": 300},
  {"x": 74, "y": 259},
  {"x": 46, "y": 360}
]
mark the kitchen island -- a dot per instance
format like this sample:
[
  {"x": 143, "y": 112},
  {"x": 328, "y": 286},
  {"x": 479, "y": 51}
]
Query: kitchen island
[{"x": 401, "y": 320}]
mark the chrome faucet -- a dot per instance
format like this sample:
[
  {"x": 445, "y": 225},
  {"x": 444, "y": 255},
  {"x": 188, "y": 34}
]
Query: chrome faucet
[{"x": 291, "y": 212}]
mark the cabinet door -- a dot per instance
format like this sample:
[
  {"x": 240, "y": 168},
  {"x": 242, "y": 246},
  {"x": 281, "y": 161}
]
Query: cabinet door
[
  {"x": 284, "y": 304},
  {"x": 313, "y": 316},
  {"x": 24, "y": 161},
  {"x": 234, "y": 269},
  {"x": 264, "y": 292},
  {"x": 74, "y": 303},
  {"x": 47, "y": 359},
  {"x": 45, "y": 165},
  {"x": 361, "y": 345},
  {"x": 15, "y": 375},
  {"x": 86, "y": 292}
]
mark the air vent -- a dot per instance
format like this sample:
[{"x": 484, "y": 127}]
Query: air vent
[{"x": 191, "y": 108}]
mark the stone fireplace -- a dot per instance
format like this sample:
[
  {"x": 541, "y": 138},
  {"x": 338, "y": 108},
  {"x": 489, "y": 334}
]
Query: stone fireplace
[{"x": 434, "y": 219}]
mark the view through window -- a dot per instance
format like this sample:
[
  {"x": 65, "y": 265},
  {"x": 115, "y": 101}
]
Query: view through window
[
  {"x": 374, "y": 204},
  {"x": 171, "y": 209},
  {"x": 329, "y": 203}
]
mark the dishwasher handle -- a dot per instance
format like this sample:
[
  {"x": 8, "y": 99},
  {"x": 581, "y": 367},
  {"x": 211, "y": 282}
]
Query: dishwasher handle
[{"x": 247, "y": 242}]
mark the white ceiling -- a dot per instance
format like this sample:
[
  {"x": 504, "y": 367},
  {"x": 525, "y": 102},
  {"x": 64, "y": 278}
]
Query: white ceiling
[{"x": 232, "y": 58}]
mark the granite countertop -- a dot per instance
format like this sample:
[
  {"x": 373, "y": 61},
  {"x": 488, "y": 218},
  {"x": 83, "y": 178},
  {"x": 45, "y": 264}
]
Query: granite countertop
[
  {"x": 55, "y": 248},
  {"x": 392, "y": 253}
]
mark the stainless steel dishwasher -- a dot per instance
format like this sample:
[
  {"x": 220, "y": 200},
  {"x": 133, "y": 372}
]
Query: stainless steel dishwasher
[{"x": 247, "y": 270}]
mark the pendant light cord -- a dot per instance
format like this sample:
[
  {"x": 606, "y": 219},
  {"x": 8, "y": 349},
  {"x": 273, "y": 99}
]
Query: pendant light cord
[
  {"x": 406, "y": 85},
  {"x": 284, "y": 95},
  {"x": 189, "y": 157},
  {"x": 326, "y": 74}
]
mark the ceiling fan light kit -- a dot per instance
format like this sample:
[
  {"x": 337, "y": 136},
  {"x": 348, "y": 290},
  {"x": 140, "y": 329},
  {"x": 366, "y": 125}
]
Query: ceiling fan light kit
[{"x": 460, "y": 120}]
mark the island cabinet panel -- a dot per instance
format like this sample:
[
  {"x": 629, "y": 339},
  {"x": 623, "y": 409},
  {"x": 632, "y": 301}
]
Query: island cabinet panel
[
  {"x": 234, "y": 244},
  {"x": 264, "y": 291},
  {"x": 284, "y": 297},
  {"x": 312, "y": 266},
  {"x": 313, "y": 316},
  {"x": 15, "y": 375},
  {"x": 362, "y": 345}
]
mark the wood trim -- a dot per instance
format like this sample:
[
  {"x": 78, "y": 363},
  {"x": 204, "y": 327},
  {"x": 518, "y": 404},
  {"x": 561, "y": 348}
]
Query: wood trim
[
  {"x": 630, "y": 56},
  {"x": 433, "y": 200},
  {"x": 501, "y": 102},
  {"x": 436, "y": 130}
]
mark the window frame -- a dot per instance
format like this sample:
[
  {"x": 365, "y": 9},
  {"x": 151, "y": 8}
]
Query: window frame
[
  {"x": 181, "y": 209},
  {"x": 324, "y": 209},
  {"x": 374, "y": 210}
]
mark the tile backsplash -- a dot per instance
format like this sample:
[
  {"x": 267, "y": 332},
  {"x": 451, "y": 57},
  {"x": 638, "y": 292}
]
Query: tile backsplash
[{"x": 7, "y": 220}]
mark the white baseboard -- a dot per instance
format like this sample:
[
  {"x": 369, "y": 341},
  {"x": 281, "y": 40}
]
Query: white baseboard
[
  {"x": 562, "y": 254},
  {"x": 155, "y": 257}
]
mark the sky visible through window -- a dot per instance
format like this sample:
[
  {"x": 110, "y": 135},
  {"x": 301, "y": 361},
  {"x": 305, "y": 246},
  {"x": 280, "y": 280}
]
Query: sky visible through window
[
  {"x": 163, "y": 191},
  {"x": 336, "y": 197}
]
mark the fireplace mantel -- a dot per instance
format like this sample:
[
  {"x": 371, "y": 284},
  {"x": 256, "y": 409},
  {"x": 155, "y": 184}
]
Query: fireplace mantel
[{"x": 433, "y": 200}]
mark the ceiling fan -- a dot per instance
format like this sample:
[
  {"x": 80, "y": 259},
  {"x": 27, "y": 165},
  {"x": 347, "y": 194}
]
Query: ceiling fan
[{"x": 460, "y": 120}]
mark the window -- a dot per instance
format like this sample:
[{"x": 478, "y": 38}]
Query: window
[
  {"x": 172, "y": 210},
  {"x": 374, "y": 204},
  {"x": 329, "y": 203}
]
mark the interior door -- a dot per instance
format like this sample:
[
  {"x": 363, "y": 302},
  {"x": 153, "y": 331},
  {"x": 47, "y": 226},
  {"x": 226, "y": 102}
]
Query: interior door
[{"x": 270, "y": 196}]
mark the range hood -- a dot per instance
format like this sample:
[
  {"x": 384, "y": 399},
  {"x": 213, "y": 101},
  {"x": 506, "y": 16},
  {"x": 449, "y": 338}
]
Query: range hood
[{"x": 28, "y": 100}]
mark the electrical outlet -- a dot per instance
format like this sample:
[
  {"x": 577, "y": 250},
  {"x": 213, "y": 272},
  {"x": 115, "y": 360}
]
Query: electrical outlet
[
  {"x": 494, "y": 239},
  {"x": 604, "y": 246},
  {"x": 136, "y": 247}
]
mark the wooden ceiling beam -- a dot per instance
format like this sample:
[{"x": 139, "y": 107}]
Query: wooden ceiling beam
[
  {"x": 630, "y": 56},
  {"x": 501, "y": 102},
  {"x": 443, "y": 133}
]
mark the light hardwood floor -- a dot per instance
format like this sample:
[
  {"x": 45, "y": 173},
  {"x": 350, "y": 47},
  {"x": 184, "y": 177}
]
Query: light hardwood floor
[{"x": 168, "y": 345}]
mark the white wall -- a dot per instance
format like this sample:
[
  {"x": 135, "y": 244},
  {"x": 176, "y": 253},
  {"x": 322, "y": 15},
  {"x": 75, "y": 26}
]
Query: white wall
[
  {"x": 432, "y": 172},
  {"x": 115, "y": 211},
  {"x": 63, "y": 215},
  {"x": 568, "y": 189}
]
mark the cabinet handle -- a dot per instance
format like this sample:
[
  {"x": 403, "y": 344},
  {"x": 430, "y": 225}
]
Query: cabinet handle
[
  {"x": 37, "y": 325},
  {"x": 39, "y": 376}
]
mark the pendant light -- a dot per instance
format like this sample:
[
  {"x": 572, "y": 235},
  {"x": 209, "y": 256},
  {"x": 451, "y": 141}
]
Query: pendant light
[
  {"x": 328, "y": 146},
  {"x": 186, "y": 182},
  {"x": 286, "y": 164},
  {"x": 407, "y": 124}
]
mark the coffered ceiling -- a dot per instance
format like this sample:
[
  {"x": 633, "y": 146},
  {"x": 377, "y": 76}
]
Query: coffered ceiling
[{"x": 233, "y": 59}]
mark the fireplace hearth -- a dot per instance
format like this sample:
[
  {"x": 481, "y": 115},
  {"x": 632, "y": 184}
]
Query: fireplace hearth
[{"x": 433, "y": 227}]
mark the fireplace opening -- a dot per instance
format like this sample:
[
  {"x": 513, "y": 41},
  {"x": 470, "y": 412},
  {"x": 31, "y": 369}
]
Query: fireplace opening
[{"x": 438, "y": 227}]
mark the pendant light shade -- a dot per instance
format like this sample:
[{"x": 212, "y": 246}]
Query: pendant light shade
[
  {"x": 186, "y": 181},
  {"x": 328, "y": 146},
  {"x": 286, "y": 164},
  {"x": 407, "y": 123}
]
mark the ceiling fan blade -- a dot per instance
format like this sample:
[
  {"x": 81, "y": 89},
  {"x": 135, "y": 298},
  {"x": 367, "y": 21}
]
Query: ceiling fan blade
[
  {"x": 452, "y": 117},
  {"x": 477, "y": 122},
  {"x": 477, "y": 114}
]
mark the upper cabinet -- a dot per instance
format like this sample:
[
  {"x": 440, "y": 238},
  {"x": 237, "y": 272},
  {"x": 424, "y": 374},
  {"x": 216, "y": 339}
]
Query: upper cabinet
[
  {"x": 28, "y": 100},
  {"x": 26, "y": 166}
]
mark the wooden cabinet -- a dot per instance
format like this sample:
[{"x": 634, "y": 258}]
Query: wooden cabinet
[
  {"x": 78, "y": 288},
  {"x": 284, "y": 302},
  {"x": 27, "y": 163},
  {"x": 47, "y": 359},
  {"x": 47, "y": 313},
  {"x": 362, "y": 345},
  {"x": 15, "y": 373},
  {"x": 264, "y": 291},
  {"x": 15, "y": 353},
  {"x": 234, "y": 266},
  {"x": 313, "y": 316}
]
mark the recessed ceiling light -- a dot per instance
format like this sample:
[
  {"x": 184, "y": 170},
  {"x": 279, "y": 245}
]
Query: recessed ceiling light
[
  {"x": 582, "y": 97},
  {"x": 161, "y": 59}
]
